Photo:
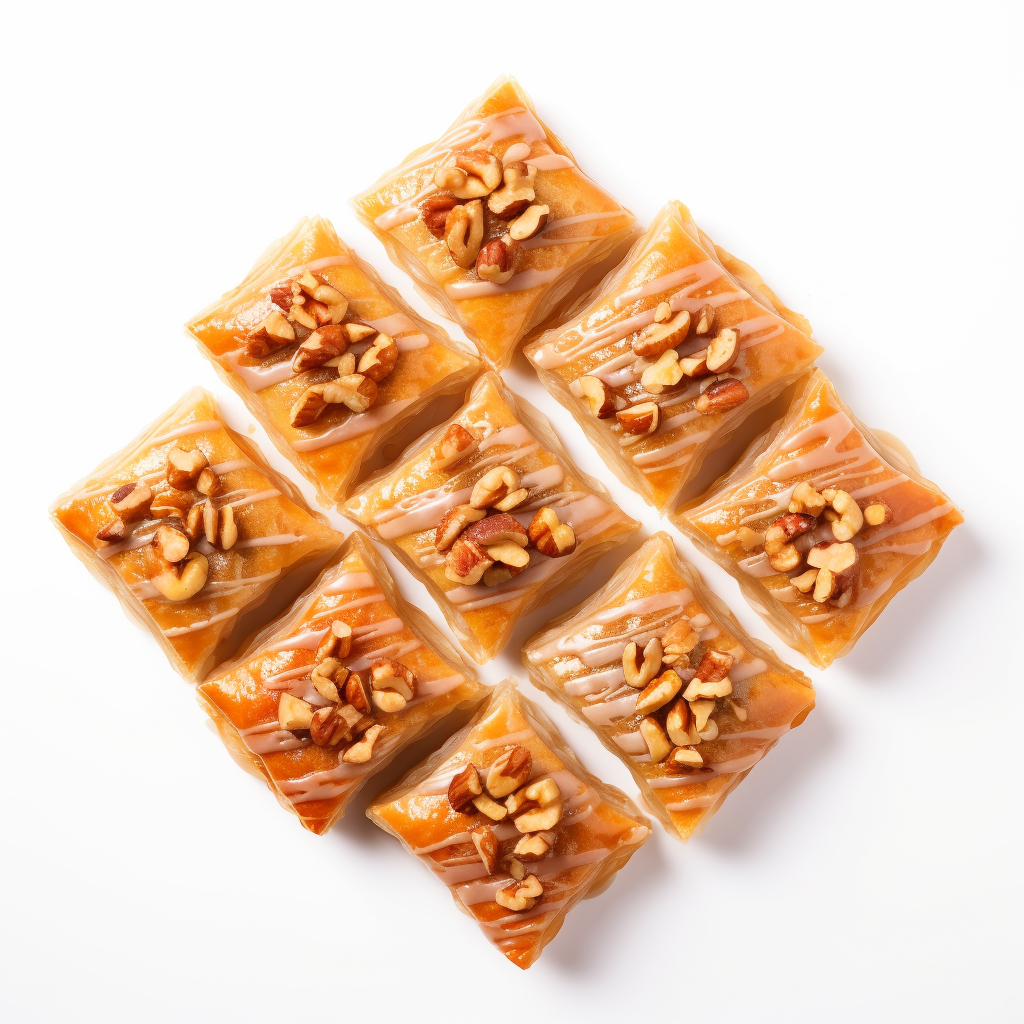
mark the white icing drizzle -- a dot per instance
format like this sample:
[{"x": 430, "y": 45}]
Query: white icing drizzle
[
  {"x": 274, "y": 540},
  {"x": 350, "y": 581},
  {"x": 219, "y": 617},
  {"x": 658, "y": 456},
  {"x": 202, "y": 426},
  {"x": 270, "y": 738},
  {"x": 356, "y": 425},
  {"x": 521, "y": 282},
  {"x": 393, "y": 651},
  {"x": 248, "y": 499}
]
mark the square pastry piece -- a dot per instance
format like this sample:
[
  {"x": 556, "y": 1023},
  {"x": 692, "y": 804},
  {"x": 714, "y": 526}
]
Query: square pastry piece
[
  {"x": 190, "y": 528},
  {"x": 680, "y": 345},
  {"x": 326, "y": 356},
  {"x": 491, "y": 515},
  {"x": 659, "y": 668},
  {"x": 494, "y": 221},
  {"x": 822, "y": 522},
  {"x": 513, "y": 824},
  {"x": 329, "y": 693}
]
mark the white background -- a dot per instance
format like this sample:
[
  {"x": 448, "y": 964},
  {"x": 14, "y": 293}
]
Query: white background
[{"x": 866, "y": 159}]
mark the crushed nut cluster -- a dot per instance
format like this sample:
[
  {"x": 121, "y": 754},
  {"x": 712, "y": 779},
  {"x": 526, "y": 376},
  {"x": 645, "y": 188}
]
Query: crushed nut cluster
[
  {"x": 309, "y": 314},
  {"x": 483, "y": 211},
  {"x": 189, "y": 516},
  {"x": 677, "y": 717},
  {"x": 349, "y": 717},
  {"x": 505, "y": 791},
  {"x": 824, "y": 570},
  {"x": 661, "y": 367},
  {"x": 482, "y": 540}
]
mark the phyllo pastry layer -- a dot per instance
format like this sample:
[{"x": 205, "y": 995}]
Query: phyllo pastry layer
[
  {"x": 513, "y": 824},
  {"x": 489, "y": 512},
  {"x": 327, "y": 357},
  {"x": 681, "y": 343},
  {"x": 494, "y": 221},
  {"x": 661, "y": 670},
  {"x": 332, "y": 691},
  {"x": 822, "y": 523},
  {"x": 190, "y": 528}
]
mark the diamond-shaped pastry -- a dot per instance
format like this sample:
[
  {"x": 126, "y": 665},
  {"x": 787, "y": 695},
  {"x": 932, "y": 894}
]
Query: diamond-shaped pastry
[
  {"x": 333, "y": 690},
  {"x": 191, "y": 528},
  {"x": 680, "y": 344},
  {"x": 822, "y": 523},
  {"x": 491, "y": 515},
  {"x": 660, "y": 669},
  {"x": 513, "y": 824},
  {"x": 495, "y": 221},
  {"x": 326, "y": 356}
]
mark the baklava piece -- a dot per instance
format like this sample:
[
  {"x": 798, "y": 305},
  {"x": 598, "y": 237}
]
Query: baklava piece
[
  {"x": 679, "y": 346},
  {"x": 494, "y": 221},
  {"x": 326, "y": 356},
  {"x": 190, "y": 528},
  {"x": 332, "y": 691},
  {"x": 660, "y": 669},
  {"x": 491, "y": 515},
  {"x": 822, "y": 523},
  {"x": 513, "y": 824}
]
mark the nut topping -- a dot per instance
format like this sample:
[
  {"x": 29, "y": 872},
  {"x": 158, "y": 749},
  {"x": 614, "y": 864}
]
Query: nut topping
[
  {"x": 308, "y": 408},
  {"x": 549, "y": 536},
  {"x": 722, "y": 396},
  {"x": 362, "y": 751},
  {"x": 511, "y": 500},
  {"x": 851, "y": 518},
  {"x": 695, "y": 365},
  {"x": 509, "y": 772},
  {"x": 529, "y": 223},
  {"x": 337, "y": 643},
  {"x": 665, "y": 373},
  {"x": 355, "y": 391},
  {"x": 386, "y": 674},
  {"x": 435, "y": 210},
  {"x": 678, "y": 722},
  {"x": 638, "y": 674},
  {"x": 464, "y": 788},
  {"x": 875, "y": 515},
  {"x": 324, "y": 344},
  {"x": 520, "y": 895},
  {"x": 723, "y": 350},
  {"x": 379, "y": 359},
  {"x": 464, "y": 232},
  {"x": 658, "y": 692},
  {"x": 454, "y": 522},
  {"x": 494, "y": 485},
  {"x": 663, "y": 313},
  {"x": 328, "y": 679},
  {"x": 807, "y": 499},
  {"x": 549, "y": 810},
  {"x": 487, "y": 847},
  {"x": 654, "y": 736},
  {"x": 170, "y": 503},
  {"x": 705, "y": 318},
  {"x": 599, "y": 397},
  {"x": 227, "y": 535},
  {"x": 357, "y": 693},
  {"x": 805, "y": 581},
  {"x": 508, "y": 553},
  {"x": 208, "y": 483},
  {"x": 481, "y": 173},
  {"x": 657, "y": 338},
  {"x": 293, "y": 714},
  {"x": 456, "y": 444},
  {"x": 516, "y": 193},
  {"x": 681, "y": 638},
  {"x": 495, "y": 262},
  {"x": 389, "y": 701},
  {"x": 836, "y": 558},
  {"x": 328, "y": 727},
  {"x": 183, "y": 468},
  {"x": 466, "y": 562},
  {"x": 110, "y": 532},
  {"x": 684, "y": 757},
  {"x": 498, "y": 529},
  {"x": 273, "y": 333},
  {"x": 783, "y": 555},
  {"x": 702, "y": 711},
  {"x": 485, "y": 805},
  {"x": 182, "y": 587},
  {"x": 534, "y": 847},
  {"x": 170, "y": 545},
  {"x": 639, "y": 419},
  {"x": 131, "y": 502}
]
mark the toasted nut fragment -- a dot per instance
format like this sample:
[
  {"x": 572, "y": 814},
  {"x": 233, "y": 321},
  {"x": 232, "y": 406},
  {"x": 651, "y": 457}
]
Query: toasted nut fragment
[
  {"x": 684, "y": 757},
  {"x": 662, "y": 313},
  {"x": 639, "y": 419},
  {"x": 509, "y": 772},
  {"x": 227, "y": 535},
  {"x": 194, "y": 520},
  {"x": 131, "y": 502},
  {"x": 705, "y": 318},
  {"x": 211, "y": 520},
  {"x": 324, "y": 344},
  {"x": 356, "y": 332},
  {"x": 485, "y": 805},
  {"x": 783, "y": 555},
  {"x": 598, "y": 396},
  {"x": 695, "y": 365},
  {"x": 319, "y": 288},
  {"x": 434, "y": 210},
  {"x": 678, "y": 723},
  {"x": 293, "y": 714},
  {"x": 534, "y": 847},
  {"x": 516, "y": 869},
  {"x": 344, "y": 365},
  {"x": 357, "y": 693},
  {"x": 208, "y": 483},
  {"x": 170, "y": 545},
  {"x": 480, "y": 164},
  {"x": 495, "y": 262},
  {"x": 361, "y": 752},
  {"x": 654, "y": 736},
  {"x": 749, "y": 538},
  {"x": 658, "y": 692},
  {"x": 188, "y": 584},
  {"x": 170, "y": 503},
  {"x": 466, "y": 562},
  {"x": 487, "y": 846},
  {"x": 499, "y": 573},
  {"x": 658, "y": 338},
  {"x": 454, "y": 522},
  {"x": 110, "y": 532},
  {"x": 715, "y": 665},
  {"x": 272, "y": 333},
  {"x": 722, "y": 396},
  {"x": 511, "y": 500},
  {"x": 665, "y": 373},
  {"x": 494, "y": 485},
  {"x": 379, "y": 359},
  {"x": 386, "y": 674},
  {"x": 852, "y": 519},
  {"x": 464, "y": 233},
  {"x": 875, "y": 515},
  {"x": 389, "y": 701},
  {"x": 328, "y": 678},
  {"x": 723, "y": 350},
  {"x": 835, "y": 557},
  {"x": 807, "y": 499},
  {"x": 456, "y": 444},
  {"x": 517, "y": 192},
  {"x": 698, "y": 688},
  {"x": 805, "y": 581},
  {"x": 702, "y": 711},
  {"x": 464, "y": 788},
  {"x": 680, "y": 638},
  {"x": 825, "y": 585},
  {"x": 549, "y": 536},
  {"x": 508, "y": 553},
  {"x": 328, "y": 727},
  {"x": 355, "y": 391},
  {"x": 183, "y": 468},
  {"x": 517, "y": 802},
  {"x": 520, "y": 895},
  {"x": 310, "y": 405},
  {"x": 529, "y": 223},
  {"x": 337, "y": 643},
  {"x": 498, "y": 529},
  {"x": 640, "y": 671},
  {"x": 547, "y": 814}
]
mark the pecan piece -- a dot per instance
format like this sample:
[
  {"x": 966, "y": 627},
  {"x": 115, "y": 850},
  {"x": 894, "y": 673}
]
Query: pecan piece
[
  {"x": 509, "y": 772},
  {"x": 454, "y": 522},
  {"x": 464, "y": 789},
  {"x": 131, "y": 501},
  {"x": 721, "y": 396},
  {"x": 435, "y": 209},
  {"x": 549, "y": 536},
  {"x": 517, "y": 192},
  {"x": 466, "y": 562},
  {"x": 379, "y": 359},
  {"x": 639, "y": 420},
  {"x": 598, "y": 397},
  {"x": 657, "y": 338},
  {"x": 495, "y": 262}
]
